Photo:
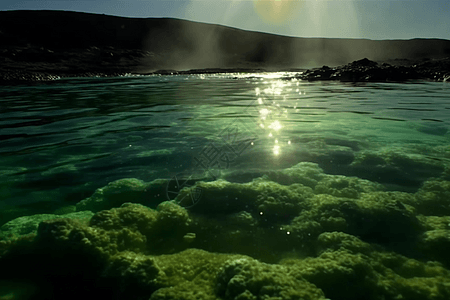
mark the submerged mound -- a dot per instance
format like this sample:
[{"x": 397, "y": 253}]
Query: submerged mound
[{"x": 330, "y": 237}]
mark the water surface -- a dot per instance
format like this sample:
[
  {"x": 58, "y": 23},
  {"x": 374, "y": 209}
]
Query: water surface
[{"x": 62, "y": 140}]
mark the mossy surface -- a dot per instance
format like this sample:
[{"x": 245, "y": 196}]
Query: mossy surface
[
  {"x": 122, "y": 191},
  {"x": 29, "y": 224},
  {"x": 331, "y": 237}
]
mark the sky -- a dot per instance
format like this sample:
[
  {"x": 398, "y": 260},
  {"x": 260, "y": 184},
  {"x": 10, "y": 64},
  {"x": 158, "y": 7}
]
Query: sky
[{"x": 371, "y": 19}]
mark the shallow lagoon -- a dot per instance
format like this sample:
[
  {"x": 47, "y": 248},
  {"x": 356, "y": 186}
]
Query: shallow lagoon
[{"x": 324, "y": 181}]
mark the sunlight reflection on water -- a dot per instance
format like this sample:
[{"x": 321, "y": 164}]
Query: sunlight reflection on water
[{"x": 64, "y": 139}]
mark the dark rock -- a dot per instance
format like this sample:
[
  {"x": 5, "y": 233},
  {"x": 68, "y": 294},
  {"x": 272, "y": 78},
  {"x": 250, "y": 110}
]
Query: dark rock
[
  {"x": 365, "y": 70},
  {"x": 365, "y": 62}
]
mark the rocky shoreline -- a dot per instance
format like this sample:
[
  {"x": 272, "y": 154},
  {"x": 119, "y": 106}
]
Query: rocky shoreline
[
  {"x": 33, "y": 65},
  {"x": 365, "y": 70},
  {"x": 41, "y": 46},
  {"x": 22, "y": 65}
]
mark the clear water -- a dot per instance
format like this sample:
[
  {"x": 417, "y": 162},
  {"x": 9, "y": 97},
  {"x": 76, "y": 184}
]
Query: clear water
[{"x": 62, "y": 140}]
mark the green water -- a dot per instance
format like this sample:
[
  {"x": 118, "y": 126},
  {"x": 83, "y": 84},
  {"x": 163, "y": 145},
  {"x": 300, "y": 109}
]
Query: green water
[
  {"x": 232, "y": 186},
  {"x": 62, "y": 140}
]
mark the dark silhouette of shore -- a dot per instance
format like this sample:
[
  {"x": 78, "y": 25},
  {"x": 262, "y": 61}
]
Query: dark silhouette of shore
[{"x": 44, "y": 45}]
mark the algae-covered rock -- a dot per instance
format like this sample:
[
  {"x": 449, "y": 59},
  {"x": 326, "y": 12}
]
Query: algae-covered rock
[
  {"x": 435, "y": 242},
  {"x": 126, "y": 273},
  {"x": 337, "y": 247},
  {"x": 248, "y": 279},
  {"x": 172, "y": 217},
  {"x": 306, "y": 173},
  {"x": 323, "y": 214},
  {"x": 391, "y": 166},
  {"x": 380, "y": 218},
  {"x": 29, "y": 224},
  {"x": 191, "y": 274},
  {"x": 343, "y": 186},
  {"x": 374, "y": 217},
  {"x": 134, "y": 273},
  {"x": 339, "y": 274},
  {"x": 434, "y": 222},
  {"x": 277, "y": 203},
  {"x": 132, "y": 215},
  {"x": 107, "y": 233},
  {"x": 157, "y": 231},
  {"x": 169, "y": 233},
  {"x": 433, "y": 198},
  {"x": 339, "y": 241},
  {"x": 125, "y": 190},
  {"x": 218, "y": 197},
  {"x": 405, "y": 278},
  {"x": 436, "y": 245},
  {"x": 266, "y": 198},
  {"x": 113, "y": 195},
  {"x": 351, "y": 270}
]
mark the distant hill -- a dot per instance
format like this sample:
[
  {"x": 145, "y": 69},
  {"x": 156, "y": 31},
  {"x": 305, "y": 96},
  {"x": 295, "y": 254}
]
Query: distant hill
[{"x": 180, "y": 44}]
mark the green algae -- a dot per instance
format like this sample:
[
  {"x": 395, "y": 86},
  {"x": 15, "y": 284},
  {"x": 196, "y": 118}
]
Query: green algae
[
  {"x": 28, "y": 224},
  {"x": 432, "y": 198},
  {"x": 122, "y": 191},
  {"x": 348, "y": 187},
  {"x": 276, "y": 237},
  {"x": 249, "y": 279},
  {"x": 394, "y": 166},
  {"x": 308, "y": 174}
]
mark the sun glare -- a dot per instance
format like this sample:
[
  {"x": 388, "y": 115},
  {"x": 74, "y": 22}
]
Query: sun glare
[
  {"x": 275, "y": 11},
  {"x": 275, "y": 125}
]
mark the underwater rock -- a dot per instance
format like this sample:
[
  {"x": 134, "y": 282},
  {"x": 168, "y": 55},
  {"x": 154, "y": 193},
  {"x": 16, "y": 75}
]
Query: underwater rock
[
  {"x": 172, "y": 225},
  {"x": 339, "y": 241},
  {"x": 381, "y": 219},
  {"x": 339, "y": 273},
  {"x": 276, "y": 203},
  {"x": 133, "y": 273},
  {"x": 433, "y": 198},
  {"x": 113, "y": 195},
  {"x": 260, "y": 195},
  {"x": 103, "y": 236},
  {"x": 376, "y": 275},
  {"x": 343, "y": 186},
  {"x": 217, "y": 197},
  {"x": 435, "y": 243},
  {"x": 125, "y": 190},
  {"x": 306, "y": 173},
  {"x": 331, "y": 247},
  {"x": 249, "y": 279},
  {"x": 374, "y": 218},
  {"x": 191, "y": 274},
  {"x": 391, "y": 167},
  {"x": 434, "y": 222},
  {"x": 29, "y": 224},
  {"x": 333, "y": 155},
  {"x": 137, "y": 216},
  {"x": 142, "y": 228}
]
